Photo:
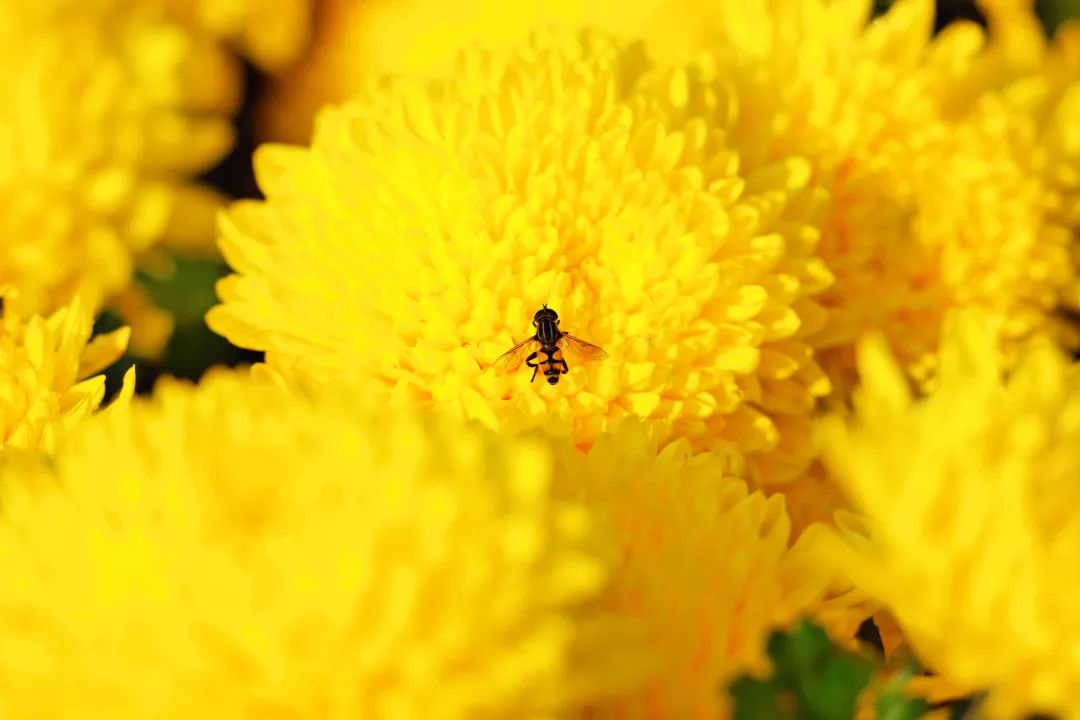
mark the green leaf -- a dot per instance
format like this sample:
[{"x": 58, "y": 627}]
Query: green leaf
[
  {"x": 756, "y": 700},
  {"x": 894, "y": 703},
  {"x": 185, "y": 289},
  {"x": 833, "y": 694},
  {"x": 812, "y": 680}
]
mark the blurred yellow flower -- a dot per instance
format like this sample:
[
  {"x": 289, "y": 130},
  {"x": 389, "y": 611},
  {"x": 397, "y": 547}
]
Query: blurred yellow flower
[
  {"x": 232, "y": 550},
  {"x": 939, "y": 199},
  {"x": 1037, "y": 83},
  {"x": 967, "y": 530},
  {"x": 109, "y": 108},
  {"x": 47, "y": 373},
  {"x": 428, "y": 222},
  {"x": 356, "y": 41},
  {"x": 273, "y": 33},
  {"x": 935, "y": 204},
  {"x": 702, "y": 565}
]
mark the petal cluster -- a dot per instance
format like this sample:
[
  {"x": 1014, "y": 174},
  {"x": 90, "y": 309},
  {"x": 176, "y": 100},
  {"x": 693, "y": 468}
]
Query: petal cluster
[
  {"x": 965, "y": 529},
  {"x": 233, "y": 550},
  {"x": 109, "y": 109},
  {"x": 1037, "y": 83},
  {"x": 936, "y": 202},
  {"x": 948, "y": 159},
  {"x": 700, "y": 568},
  {"x": 47, "y": 374},
  {"x": 414, "y": 240}
]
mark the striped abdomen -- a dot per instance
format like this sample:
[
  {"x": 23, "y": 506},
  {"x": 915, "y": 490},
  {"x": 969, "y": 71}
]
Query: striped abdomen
[{"x": 551, "y": 363}]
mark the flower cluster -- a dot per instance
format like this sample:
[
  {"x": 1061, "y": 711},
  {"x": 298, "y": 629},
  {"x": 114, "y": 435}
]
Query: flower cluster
[
  {"x": 903, "y": 130},
  {"x": 238, "y": 550},
  {"x": 411, "y": 244},
  {"x": 110, "y": 109},
  {"x": 107, "y": 111},
  {"x": 831, "y": 253},
  {"x": 966, "y": 527},
  {"x": 48, "y": 378},
  {"x": 934, "y": 204}
]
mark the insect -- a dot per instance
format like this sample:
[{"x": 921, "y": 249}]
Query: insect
[{"x": 548, "y": 347}]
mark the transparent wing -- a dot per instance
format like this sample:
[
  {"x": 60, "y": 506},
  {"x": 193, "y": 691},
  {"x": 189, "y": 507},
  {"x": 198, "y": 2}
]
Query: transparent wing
[
  {"x": 512, "y": 358},
  {"x": 582, "y": 351}
]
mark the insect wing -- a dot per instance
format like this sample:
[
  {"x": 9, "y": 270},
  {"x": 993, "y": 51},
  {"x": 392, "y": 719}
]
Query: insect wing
[
  {"x": 582, "y": 351},
  {"x": 512, "y": 358}
]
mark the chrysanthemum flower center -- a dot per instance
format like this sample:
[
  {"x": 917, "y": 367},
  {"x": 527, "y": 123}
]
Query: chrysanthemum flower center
[{"x": 429, "y": 221}]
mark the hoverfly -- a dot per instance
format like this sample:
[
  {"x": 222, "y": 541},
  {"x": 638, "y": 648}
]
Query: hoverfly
[{"x": 548, "y": 346}]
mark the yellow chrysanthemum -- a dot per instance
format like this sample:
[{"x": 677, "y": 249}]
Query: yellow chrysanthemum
[
  {"x": 428, "y": 222},
  {"x": 46, "y": 366},
  {"x": 967, "y": 532},
  {"x": 108, "y": 109},
  {"x": 232, "y": 550},
  {"x": 953, "y": 185},
  {"x": 938, "y": 200},
  {"x": 1037, "y": 83},
  {"x": 273, "y": 33},
  {"x": 934, "y": 206},
  {"x": 699, "y": 564}
]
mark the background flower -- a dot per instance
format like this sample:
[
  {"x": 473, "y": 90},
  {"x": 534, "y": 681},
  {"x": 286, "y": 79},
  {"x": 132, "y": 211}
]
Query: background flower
[
  {"x": 109, "y": 110},
  {"x": 936, "y": 204},
  {"x": 47, "y": 374},
  {"x": 937, "y": 200},
  {"x": 1038, "y": 83},
  {"x": 966, "y": 526},
  {"x": 701, "y": 564},
  {"x": 235, "y": 549},
  {"x": 273, "y": 33},
  {"x": 356, "y": 41},
  {"x": 428, "y": 222},
  {"x": 231, "y": 550}
]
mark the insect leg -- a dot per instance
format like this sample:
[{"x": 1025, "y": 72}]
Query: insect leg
[
  {"x": 534, "y": 366},
  {"x": 565, "y": 367}
]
